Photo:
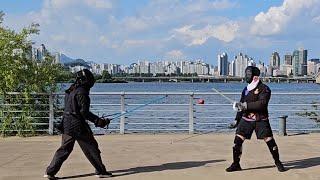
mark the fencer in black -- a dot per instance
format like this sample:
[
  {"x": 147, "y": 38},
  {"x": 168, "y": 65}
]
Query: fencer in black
[{"x": 75, "y": 128}]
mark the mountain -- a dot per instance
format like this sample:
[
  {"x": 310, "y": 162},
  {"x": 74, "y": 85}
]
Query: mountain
[
  {"x": 65, "y": 59},
  {"x": 77, "y": 62}
]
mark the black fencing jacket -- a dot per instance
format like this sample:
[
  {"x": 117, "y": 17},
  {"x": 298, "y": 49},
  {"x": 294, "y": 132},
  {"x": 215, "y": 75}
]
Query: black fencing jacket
[
  {"x": 76, "y": 112},
  {"x": 257, "y": 103}
]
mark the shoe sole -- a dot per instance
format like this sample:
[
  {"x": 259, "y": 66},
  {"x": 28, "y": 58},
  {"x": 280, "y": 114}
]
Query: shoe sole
[
  {"x": 103, "y": 176},
  {"x": 50, "y": 177},
  {"x": 282, "y": 170},
  {"x": 234, "y": 170}
]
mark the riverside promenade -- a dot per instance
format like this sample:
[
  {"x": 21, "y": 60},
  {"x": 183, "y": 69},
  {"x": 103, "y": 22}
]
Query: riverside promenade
[{"x": 155, "y": 157}]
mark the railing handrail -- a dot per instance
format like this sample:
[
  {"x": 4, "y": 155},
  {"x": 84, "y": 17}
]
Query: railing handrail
[
  {"x": 170, "y": 93},
  {"x": 191, "y": 109}
]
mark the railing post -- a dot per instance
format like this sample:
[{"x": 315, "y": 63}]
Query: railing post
[
  {"x": 191, "y": 114},
  {"x": 51, "y": 114},
  {"x": 123, "y": 109},
  {"x": 283, "y": 125}
]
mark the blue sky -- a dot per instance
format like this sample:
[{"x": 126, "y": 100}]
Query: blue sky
[{"x": 125, "y": 31}]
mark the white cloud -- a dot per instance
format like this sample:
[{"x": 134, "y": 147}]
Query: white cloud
[
  {"x": 135, "y": 24},
  {"x": 224, "y": 32},
  {"x": 160, "y": 13},
  {"x": 133, "y": 42},
  {"x": 104, "y": 40},
  {"x": 276, "y": 19},
  {"x": 223, "y": 4},
  {"x": 175, "y": 54},
  {"x": 205, "y": 5},
  {"x": 99, "y": 4},
  {"x": 316, "y": 19},
  {"x": 144, "y": 43},
  {"x": 58, "y": 37},
  {"x": 58, "y": 4}
]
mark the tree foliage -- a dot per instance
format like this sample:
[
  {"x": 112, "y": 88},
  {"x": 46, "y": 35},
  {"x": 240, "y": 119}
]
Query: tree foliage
[
  {"x": 105, "y": 77},
  {"x": 20, "y": 73}
]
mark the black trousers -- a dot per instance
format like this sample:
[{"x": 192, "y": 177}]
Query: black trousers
[{"x": 89, "y": 147}]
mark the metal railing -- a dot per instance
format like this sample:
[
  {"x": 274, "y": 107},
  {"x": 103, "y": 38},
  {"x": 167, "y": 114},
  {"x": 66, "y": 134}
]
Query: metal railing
[{"x": 180, "y": 112}]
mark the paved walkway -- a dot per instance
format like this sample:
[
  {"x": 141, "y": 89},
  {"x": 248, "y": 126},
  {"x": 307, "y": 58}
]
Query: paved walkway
[{"x": 153, "y": 157}]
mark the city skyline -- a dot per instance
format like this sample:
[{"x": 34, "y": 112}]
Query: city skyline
[
  {"x": 121, "y": 32},
  {"x": 295, "y": 64}
]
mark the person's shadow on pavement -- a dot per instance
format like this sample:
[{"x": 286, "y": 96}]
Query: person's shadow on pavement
[
  {"x": 76, "y": 176},
  {"x": 146, "y": 169},
  {"x": 295, "y": 164},
  {"x": 163, "y": 167},
  {"x": 303, "y": 163}
]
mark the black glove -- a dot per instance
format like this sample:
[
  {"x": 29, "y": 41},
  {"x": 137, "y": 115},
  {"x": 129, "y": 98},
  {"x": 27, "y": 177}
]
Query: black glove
[
  {"x": 239, "y": 106},
  {"x": 233, "y": 125},
  {"x": 102, "y": 122}
]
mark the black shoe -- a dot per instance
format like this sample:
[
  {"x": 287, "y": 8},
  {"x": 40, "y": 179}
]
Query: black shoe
[
  {"x": 234, "y": 167},
  {"x": 280, "y": 167},
  {"x": 104, "y": 175},
  {"x": 51, "y": 177}
]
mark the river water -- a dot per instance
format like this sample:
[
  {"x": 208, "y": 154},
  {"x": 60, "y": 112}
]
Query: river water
[{"x": 217, "y": 110}]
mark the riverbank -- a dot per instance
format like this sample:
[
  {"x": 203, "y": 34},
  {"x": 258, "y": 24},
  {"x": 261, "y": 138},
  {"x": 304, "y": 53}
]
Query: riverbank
[{"x": 154, "y": 157}]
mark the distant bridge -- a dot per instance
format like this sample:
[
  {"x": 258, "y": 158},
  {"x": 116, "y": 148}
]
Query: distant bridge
[{"x": 218, "y": 79}]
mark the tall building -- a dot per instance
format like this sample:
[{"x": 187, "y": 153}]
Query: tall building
[
  {"x": 95, "y": 68},
  {"x": 77, "y": 68},
  {"x": 114, "y": 68},
  {"x": 211, "y": 69},
  {"x": 251, "y": 62},
  {"x": 286, "y": 67},
  {"x": 171, "y": 68},
  {"x": 262, "y": 68},
  {"x": 202, "y": 68},
  {"x": 313, "y": 66},
  {"x": 269, "y": 70},
  {"x": 134, "y": 68},
  {"x": 232, "y": 68},
  {"x": 299, "y": 62},
  {"x": 144, "y": 67},
  {"x": 223, "y": 64},
  {"x": 275, "y": 60},
  {"x": 288, "y": 59},
  {"x": 57, "y": 58},
  {"x": 241, "y": 63},
  {"x": 39, "y": 53}
]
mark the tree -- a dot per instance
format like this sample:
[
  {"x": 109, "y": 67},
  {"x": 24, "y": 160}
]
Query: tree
[
  {"x": 106, "y": 77},
  {"x": 19, "y": 73}
]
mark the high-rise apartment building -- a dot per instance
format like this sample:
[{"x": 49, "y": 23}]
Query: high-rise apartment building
[
  {"x": 299, "y": 62},
  {"x": 288, "y": 59},
  {"x": 223, "y": 64},
  {"x": 241, "y": 63},
  {"x": 275, "y": 60},
  {"x": 313, "y": 65}
]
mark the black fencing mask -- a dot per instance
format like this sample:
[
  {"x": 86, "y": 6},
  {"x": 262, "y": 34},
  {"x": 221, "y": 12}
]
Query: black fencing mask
[
  {"x": 251, "y": 71},
  {"x": 85, "y": 78}
]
